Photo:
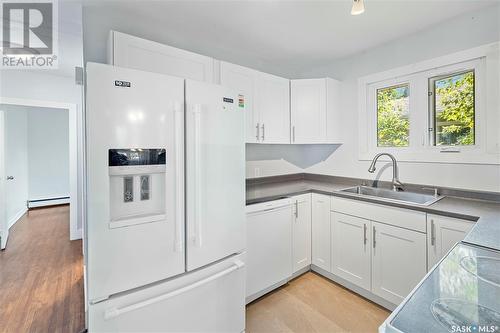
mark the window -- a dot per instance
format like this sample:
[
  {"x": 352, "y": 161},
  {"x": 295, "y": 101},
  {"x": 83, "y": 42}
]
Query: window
[
  {"x": 393, "y": 111},
  {"x": 441, "y": 110},
  {"x": 452, "y": 109}
]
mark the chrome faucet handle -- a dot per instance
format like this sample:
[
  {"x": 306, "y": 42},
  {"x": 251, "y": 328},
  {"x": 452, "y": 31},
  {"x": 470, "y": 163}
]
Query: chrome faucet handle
[
  {"x": 435, "y": 189},
  {"x": 398, "y": 186}
]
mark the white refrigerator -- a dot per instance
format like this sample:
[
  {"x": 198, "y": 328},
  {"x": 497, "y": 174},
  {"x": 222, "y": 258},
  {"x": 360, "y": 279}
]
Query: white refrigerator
[{"x": 165, "y": 224}]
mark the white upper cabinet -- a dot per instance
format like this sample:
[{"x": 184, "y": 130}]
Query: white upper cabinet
[
  {"x": 301, "y": 232},
  {"x": 351, "y": 245},
  {"x": 273, "y": 103},
  {"x": 321, "y": 231},
  {"x": 138, "y": 53},
  {"x": 443, "y": 233},
  {"x": 315, "y": 111},
  {"x": 398, "y": 261},
  {"x": 267, "y": 102}
]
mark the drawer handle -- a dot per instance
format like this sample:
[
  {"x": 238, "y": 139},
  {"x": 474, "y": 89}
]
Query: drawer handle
[
  {"x": 433, "y": 233},
  {"x": 374, "y": 237},
  {"x": 364, "y": 234},
  {"x": 115, "y": 312}
]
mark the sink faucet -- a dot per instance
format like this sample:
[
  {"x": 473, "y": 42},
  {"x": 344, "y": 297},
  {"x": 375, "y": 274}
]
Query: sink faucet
[{"x": 396, "y": 184}]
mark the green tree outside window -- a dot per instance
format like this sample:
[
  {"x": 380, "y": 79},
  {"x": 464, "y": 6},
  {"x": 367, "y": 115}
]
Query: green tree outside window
[{"x": 393, "y": 123}]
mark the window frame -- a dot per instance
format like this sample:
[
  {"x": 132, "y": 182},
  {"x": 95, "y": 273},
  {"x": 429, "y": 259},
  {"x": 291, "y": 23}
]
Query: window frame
[
  {"x": 432, "y": 106},
  {"x": 484, "y": 61}
]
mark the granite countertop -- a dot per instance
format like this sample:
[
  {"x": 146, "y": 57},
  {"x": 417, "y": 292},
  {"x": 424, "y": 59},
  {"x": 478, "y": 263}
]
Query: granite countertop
[{"x": 485, "y": 233}]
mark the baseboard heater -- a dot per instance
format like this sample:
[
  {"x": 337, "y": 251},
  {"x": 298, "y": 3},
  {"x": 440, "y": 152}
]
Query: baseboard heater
[{"x": 47, "y": 202}]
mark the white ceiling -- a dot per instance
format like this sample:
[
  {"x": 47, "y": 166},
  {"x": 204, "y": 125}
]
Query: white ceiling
[{"x": 284, "y": 35}]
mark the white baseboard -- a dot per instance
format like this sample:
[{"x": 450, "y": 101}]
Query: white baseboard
[
  {"x": 76, "y": 235},
  {"x": 16, "y": 217},
  {"x": 48, "y": 202}
]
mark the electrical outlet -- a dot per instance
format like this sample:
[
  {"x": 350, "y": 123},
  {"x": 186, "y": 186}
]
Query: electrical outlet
[{"x": 256, "y": 172}]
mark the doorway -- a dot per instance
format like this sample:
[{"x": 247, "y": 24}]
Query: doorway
[{"x": 38, "y": 160}]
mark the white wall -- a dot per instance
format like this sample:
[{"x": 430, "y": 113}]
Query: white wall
[
  {"x": 36, "y": 155},
  {"x": 43, "y": 86},
  {"x": 57, "y": 85},
  {"x": 460, "y": 33},
  {"x": 48, "y": 153},
  {"x": 16, "y": 163}
]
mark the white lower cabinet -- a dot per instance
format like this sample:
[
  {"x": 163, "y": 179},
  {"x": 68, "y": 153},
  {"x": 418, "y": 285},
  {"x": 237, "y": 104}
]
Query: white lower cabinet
[
  {"x": 301, "y": 232},
  {"x": 321, "y": 231},
  {"x": 351, "y": 249},
  {"x": 443, "y": 233},
  {"x": 398, "y": 261}
]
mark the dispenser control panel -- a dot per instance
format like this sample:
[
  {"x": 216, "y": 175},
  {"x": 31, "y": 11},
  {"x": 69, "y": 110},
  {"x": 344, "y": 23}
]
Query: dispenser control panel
[{"x": 137, "y": 185}]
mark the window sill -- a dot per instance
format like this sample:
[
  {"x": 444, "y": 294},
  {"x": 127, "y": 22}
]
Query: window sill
[{"x": 466, "y": 155}]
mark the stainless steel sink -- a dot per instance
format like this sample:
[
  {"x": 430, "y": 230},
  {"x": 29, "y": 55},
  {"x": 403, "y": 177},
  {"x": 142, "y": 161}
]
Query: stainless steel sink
[{"x": 389, "y": 195}]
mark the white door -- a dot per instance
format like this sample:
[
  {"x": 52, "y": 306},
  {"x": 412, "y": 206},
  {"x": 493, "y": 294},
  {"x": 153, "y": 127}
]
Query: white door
[
  {"x": 269, "y": 245},
  {"x": 215, "y": 173},
  {"x": 443, "y": 233},
  {"x": 398, "y": 261},
  {"x": 130, "y": 109},
  {"x": 243, "y": 79},
  {"x": 138, "y": 53},
  {"x": 4, "y": 228},
  {"x": 321, "y": 231},
  {"x": 351, "y": 249},
  {"x": 207, "y": 300},
  {"x": 301, "y": 231},
  {"x": 273, "y": 104},
  {"x": 308, "y": 110}
]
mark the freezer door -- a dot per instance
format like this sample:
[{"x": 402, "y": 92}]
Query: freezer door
[
  {"x": 215, "y": 173},
  {"x": 135, "y": 212},
  {"x": 208, "y": 300}
]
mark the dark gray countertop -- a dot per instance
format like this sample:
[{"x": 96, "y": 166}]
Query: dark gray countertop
[{"x": 485, "y": 233}]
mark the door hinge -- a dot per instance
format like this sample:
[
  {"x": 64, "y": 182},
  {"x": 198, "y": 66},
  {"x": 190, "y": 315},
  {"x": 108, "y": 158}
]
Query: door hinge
[{"x": 430, "y": 93}]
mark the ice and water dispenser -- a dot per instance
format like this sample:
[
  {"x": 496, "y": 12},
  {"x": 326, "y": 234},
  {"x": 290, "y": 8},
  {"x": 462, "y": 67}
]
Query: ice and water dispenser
[{"x": 137, "y": 186}]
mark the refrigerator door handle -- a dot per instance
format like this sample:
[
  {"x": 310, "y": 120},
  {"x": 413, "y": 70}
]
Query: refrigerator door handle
[
  {"x": 197, "y": 175},
  {"x": 179, "y": 168},
  {"x": 115, "y": 312}
]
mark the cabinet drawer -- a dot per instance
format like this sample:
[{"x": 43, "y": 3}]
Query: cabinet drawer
[{"x": 400, "y": 217}]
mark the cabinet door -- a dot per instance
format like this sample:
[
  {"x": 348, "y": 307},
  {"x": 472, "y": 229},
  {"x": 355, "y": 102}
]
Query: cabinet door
[
  {"x": 321, "y": 231},
  {"x": 398, "y": 261},
  {"x": 243, "y": 79},
  {"x": 273, "y": 104},
  {"x": 133, "y": 52},
  {"x": 334, "y": 117},
  {"x": 301, "y": 232},
  {"x": 443, "y": 233},
  {"x": 351, "y": 249},
  {"x": 308, "y": 111}
]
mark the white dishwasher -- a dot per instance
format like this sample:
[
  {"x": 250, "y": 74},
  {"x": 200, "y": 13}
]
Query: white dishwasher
[{"x": 269, "y": 246}]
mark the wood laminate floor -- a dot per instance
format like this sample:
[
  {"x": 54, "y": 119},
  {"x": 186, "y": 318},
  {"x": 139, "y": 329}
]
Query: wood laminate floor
[
  {"x": 311, "y": 303},
  {"x": 41, "y": 275}
]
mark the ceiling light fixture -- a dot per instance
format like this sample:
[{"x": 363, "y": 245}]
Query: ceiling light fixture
[{"x": 358, "y": 7}]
